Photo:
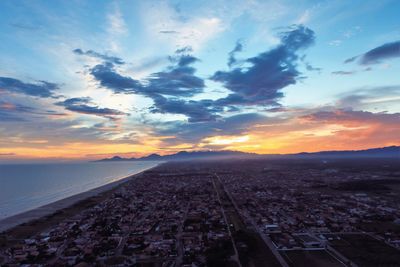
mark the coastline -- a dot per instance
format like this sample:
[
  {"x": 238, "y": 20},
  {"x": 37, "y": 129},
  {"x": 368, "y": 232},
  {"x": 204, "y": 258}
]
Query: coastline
[{"x": 23, "y": 223}]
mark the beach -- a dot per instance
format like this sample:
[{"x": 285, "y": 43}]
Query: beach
[{"x": 28, "y": 223}]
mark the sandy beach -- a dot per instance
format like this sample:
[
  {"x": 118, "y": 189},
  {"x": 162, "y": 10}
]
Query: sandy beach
[{"x": 38, "y": 219}]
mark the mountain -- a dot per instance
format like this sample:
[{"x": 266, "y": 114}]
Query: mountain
[
  {"x": 384, "y": 152},
  {"x": 188, "y": 155}
]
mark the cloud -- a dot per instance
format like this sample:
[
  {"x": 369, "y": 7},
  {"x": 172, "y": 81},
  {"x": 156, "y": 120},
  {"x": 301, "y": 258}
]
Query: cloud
[
  {"x": 378, "y": 54},
  {"x": 305, "y": 17},
  {"x": 116, "y": 22},
  {"x": 177, "y": 80},
  {"x": 168, "y": 32},
  {"x": 340, "y": 72},
  {"x": 351, "y": 32},
  {"x": 6, "y": 154},
  {"x": 388, "y": 50},
  {"x": 84, "y": 105},
  {"x": 91, "y": 53},
  {"x": 353, "y": 118},
  {"x": 184, "y": 50},
  {"x": 116, "y": 27},
  {"x": 9, "y": 117},
  {"x": 259, "y": 84},
  {"x": 349, "y": 60},
  {"x": 196, "y": 111},
  {"x": 270, "y": 71},
  {"x": 354, "y": 127},
  {"x": 238, "y": 48},
  {"x": 38, "y": 89},
  {"x": 144, "y": 66},
  {"x": 308, "y": 66},
  {"x": 108, "y": 77},
  {"x": 164, "y": 87},
  {"x": 380, "y": 97},
  {"x": 178, "y": 30},
  {"x": 25, "y": 26},
  {"x": 11, "y": 111},
  {"x": 335, "y": 42},
  {"x": 194, "y": 132},
  {"x": 8, "y": 106}
]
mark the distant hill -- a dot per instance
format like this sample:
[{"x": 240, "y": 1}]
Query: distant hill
[
  {"x": 188, "y": 155},
  {"x": 384, "y": 152}
]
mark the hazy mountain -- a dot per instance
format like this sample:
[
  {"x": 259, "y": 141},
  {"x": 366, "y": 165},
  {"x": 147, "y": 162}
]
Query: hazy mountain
[
  {"x": 189, "y": 155},
  {"x": 384, "y": 152}
]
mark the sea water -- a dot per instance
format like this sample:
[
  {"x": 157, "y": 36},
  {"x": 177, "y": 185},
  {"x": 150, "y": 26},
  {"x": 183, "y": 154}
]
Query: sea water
[{"x": 27, "y": 186}]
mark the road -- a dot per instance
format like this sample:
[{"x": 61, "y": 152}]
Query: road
[{"x": 259, "y": 254}]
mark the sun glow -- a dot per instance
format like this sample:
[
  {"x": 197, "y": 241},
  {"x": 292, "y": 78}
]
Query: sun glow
[{"x": 225, "y": 140}]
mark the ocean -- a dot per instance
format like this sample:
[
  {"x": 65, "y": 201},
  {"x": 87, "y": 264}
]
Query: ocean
[{"x": 27, "y": 186}]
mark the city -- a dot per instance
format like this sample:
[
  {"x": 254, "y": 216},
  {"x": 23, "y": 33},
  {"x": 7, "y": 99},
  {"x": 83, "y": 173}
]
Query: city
[{"x": 230, "y": 213}]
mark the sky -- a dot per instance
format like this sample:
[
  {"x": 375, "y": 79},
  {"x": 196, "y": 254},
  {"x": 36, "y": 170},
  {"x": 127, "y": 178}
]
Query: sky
[{"x": 94, "y": 79}]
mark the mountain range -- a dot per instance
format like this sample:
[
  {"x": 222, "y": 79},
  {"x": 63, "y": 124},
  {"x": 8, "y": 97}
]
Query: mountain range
[{"x": 384, "y": 152}]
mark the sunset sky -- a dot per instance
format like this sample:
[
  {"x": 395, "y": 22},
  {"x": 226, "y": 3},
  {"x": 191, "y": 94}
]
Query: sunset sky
[{"x": 94, "y": 79}]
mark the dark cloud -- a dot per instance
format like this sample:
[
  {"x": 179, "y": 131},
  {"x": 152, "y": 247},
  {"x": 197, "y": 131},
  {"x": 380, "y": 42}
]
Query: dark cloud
[
  {"x": 196, "y": 111},
  {"x": 378, "y": 54},
  {"x": 341, "y": 72},
  {"x": 164, "y": 87},
  {"x": 85, "y": 106},
  {"x": 186, "y": 60},
  {"x": 238, "y": 48},
  {"x": 349, "y": 60},
  {"x": 270, "y": 71},
  {"x": 309, "y": 67},
  {"x": 194, "y": 132},
  {"x": 179, "y": 80},
  {"x": 109, "y": 78},
  {"x": 91, "y": 53},
  {"x": 184, "y": 50},
  {"x": 389, "y": 50},
  {"x": 38, "y": 89}
]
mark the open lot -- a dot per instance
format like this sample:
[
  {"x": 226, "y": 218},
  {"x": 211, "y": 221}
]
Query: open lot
[
  {"x": 364, "y": 250},
  {"x": 310, "y": 258}
]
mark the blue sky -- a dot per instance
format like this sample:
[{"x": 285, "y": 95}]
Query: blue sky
[{"x": 81, "y": 79}]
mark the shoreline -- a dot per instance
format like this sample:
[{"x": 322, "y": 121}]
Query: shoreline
[{"x": 57, "y": 209}]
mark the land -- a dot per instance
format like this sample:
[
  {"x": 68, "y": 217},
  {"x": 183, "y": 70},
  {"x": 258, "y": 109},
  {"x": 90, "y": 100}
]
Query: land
[{"x": 238, "y": 212}]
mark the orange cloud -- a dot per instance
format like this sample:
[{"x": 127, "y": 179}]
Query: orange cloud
[{"x": 321, "y": 130}]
